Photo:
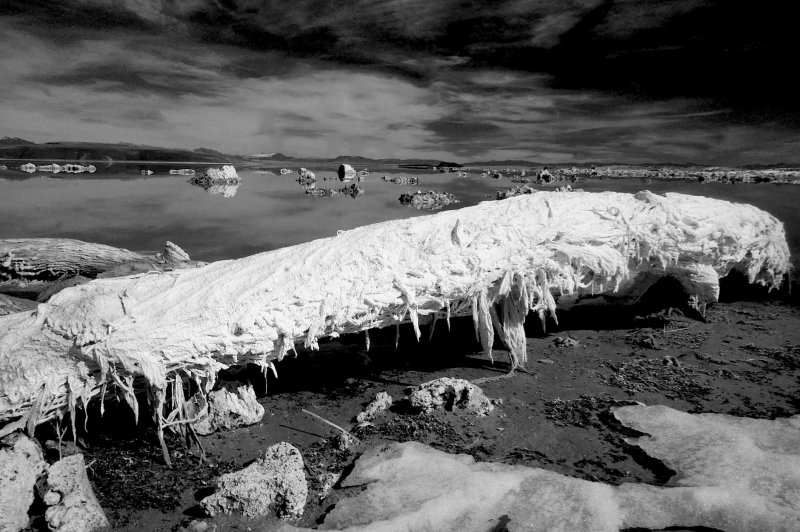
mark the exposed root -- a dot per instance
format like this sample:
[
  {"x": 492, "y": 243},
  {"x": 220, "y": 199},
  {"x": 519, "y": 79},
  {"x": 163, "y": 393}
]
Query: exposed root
[{"x": 513, "y": 371}]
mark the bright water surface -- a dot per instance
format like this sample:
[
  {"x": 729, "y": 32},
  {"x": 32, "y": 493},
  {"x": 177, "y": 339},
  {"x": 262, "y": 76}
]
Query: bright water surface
[{"x": 120, "y": 207}]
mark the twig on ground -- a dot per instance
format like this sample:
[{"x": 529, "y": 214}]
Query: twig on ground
[{"x": 344, "y": 432}]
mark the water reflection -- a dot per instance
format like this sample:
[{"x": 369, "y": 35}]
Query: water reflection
[
  {"x": 226, "y": 190},
  {"x": 217, "y": 181},
  {"x": 429, "y": 200},
  {"x": 139, "y": 212},
  {"x": 402, "y": 180},
  {"x": 54, "y": 168},
  {"x": 121, "y": 207}
]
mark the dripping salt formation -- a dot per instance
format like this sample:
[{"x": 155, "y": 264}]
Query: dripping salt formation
[{"x": 496, "y": 261}]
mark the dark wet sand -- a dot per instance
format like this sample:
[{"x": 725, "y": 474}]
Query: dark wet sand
[{"x": 743, "y": 360}]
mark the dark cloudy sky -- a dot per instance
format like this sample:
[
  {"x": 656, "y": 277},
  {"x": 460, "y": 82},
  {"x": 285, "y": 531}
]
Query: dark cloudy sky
[{"x": 708, "y": 81}]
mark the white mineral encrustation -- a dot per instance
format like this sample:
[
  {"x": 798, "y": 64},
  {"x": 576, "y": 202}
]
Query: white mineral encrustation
[{"x": 496, "y": 261}]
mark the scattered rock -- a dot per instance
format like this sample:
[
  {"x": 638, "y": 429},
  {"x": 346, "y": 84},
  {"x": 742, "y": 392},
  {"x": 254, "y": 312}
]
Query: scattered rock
[
  {"x": 72, "y": 504},
  {"x": 321, "y": 192},
  {"x": 381, "y": 402},
  {"x": 196, "y": 525},
  {"x": 649, "y": 342},
  {"x": 346, "y": 172},
  {"x": 21, "y": 463},
  {"x": 326, "y": 482},
  {"x": 515, "y": 191},
  {"x": 430, "y": 200},
  {"x": 230, "y": 409},
  {"x": 274, "y": 484},
  {"x": 450, "y": 394},
  {"x": 344, "y": 442},
  {"x": 225, "y": 174},
  {"x": 565, "y": 341},
  {"x": 223, "y": 182},
  {"x": 352, "y": 190}
]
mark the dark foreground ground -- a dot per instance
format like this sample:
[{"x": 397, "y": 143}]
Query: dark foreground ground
[{"x": 744, "y": 360}]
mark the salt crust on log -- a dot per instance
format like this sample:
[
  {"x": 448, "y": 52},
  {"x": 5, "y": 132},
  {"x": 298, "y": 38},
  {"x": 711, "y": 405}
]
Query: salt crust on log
[{"x": 495, "y": 261}]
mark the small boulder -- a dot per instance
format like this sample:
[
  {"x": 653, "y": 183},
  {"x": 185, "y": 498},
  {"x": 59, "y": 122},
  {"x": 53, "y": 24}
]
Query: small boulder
[
  {"x": 352, "y": 190},
  {"x": 196, "y": 525},
  {"x": 230, "y": 407},
  {"x": 346, "y": 172},
  {"x": 307, "y": 175},
  {"x": 21, "y": 464},
  {"x": 226, "y": 174},
  {"x": 450, "y": 394},
  {"x": 381, "y": 402},
  {"x": 273, "y": 484},
  {"x": 327, "y": 481},
  {"x": 71, "y": 501},
  {"x": 565, "y": 341}
]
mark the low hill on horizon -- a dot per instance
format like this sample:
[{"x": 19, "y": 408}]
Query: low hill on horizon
[
  {"x": 94, "y": 151},
  {"x": 18, "y": 148}
]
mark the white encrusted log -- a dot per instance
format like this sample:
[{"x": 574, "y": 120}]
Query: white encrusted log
[
  {"x": 33, "y": 265},
  {"x": 496, "y": 261},
  {"x": 36, "y": 259},
  {"x": 10, "y": 304}
]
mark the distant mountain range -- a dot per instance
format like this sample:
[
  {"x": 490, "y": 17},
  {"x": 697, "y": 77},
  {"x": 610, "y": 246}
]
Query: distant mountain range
[
  {"x": 16, "y": 148},
  {"x": 350, "y": 159},
  {"x": 13, "y": 141}
]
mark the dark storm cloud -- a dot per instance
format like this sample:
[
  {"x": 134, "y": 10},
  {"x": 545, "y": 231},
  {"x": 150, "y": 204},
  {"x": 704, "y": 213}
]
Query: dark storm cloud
[
  {"x": 455, "y": 128},
  {"x": 121, "y": 74},
  {"x": 559, "y": 79},
  {"x": 47, "y": 14},
  {"x": 724, "y": 49}
]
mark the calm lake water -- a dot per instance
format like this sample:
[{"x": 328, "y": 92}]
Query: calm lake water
[{"x": 120, "y": 207}]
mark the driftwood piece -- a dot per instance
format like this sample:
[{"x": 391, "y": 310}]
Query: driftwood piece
[
  {"x": 11, "y": 304},
  {"x": 36, "y": 266},
  {"x": 496, "y": 261},
  {"x": 27, "y": 264}
]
